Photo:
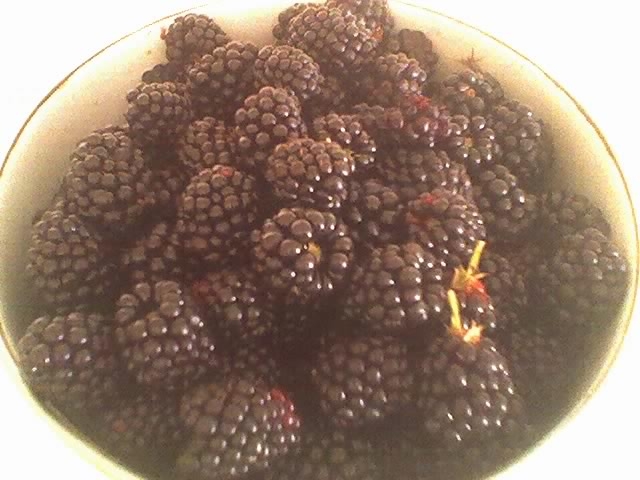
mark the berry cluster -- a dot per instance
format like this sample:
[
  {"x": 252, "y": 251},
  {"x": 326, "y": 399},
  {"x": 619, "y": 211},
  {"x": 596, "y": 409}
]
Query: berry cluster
[{"x": 286, "y": 253}]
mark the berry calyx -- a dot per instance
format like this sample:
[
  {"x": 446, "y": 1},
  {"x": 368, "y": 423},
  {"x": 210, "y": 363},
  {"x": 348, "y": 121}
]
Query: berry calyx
[
  {"x": 469, "y": 280},
  {"x": 470, "y": 335}
]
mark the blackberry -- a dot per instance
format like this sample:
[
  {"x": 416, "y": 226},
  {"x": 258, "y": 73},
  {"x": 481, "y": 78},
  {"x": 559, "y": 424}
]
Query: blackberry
[
  {"x": 565, "y": 213},
  {"x": 374, "y": 213},
  {"x": 239, "y": 427},
  {"x": 414, "y": 172},
  {"x": 206, "y": 142},
  {"x": 363, "y": 379},
  {"x": 165, "y": 72},
  {"x": 302, "y": 254},
  {"x": 191, "y": 36},
  {"x": 375, "y": 13},
  {"x": 336, "y": 39},
  {"x": 539, "y": 363},
  {"x": 472, "y": 143},
  {"x": 67, "y": 262},
  {"x": 284, "y": 18},
  {"x": 471, "y": 92},
  {"x": 298, "y": 328},
  {"x": 445, "y": 224},
  {"x": 526, "y": 147},
  {"x": 168, "y": 181},
  {"x": 158, "y": 113},
  {"x": 477, "y": 309},
  {"x": 390, "y": 79},
  {"x": 584, "y": 281},
  {"x": 525, "y": 258},
  {"x": 269, "y": 118},
  {"x": 216, "y": 214},
  {"x": 332, "y": 98},
  {"x": 505, "y": 285},
  {"x": 396, "y": 288},
  {"x": 162, "y": 338},
  {"x": 414, "y": 44},
  {"x": 109, "y": 181},
  {"x": 144, "y": 429},
  {"x": 465, "y": 393},
  {"x": 219, "y": 81},
  {"x": 347, "y": 131},
  {"x": 252, "y": 358},
  {"x": 287, "y": 67},
  {"x": 310, "y": 173},
  {"x": 417, "y": 123},
  {"x": 234, "y": 304},
  {"x": 154, "y": 257},
  {"x": 70, "y": 360},
  {"x": 330, "y": 454},
  {"x": 508, "y": 211}
]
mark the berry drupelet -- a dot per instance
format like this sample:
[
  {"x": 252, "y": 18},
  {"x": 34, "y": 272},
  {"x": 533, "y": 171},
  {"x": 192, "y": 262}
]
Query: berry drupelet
[
  {"x": 70, "y": 360},
  {"x": 288, "y": 67},
  {"x": 310, "y": 173},
  {"x": 375, "y": 14},
  {"x": 239, "y": 427},
  {"x": 162, "y": 337},
  {"x": 332, "y": 98},
  {"x": 302, "y": 254},
  {"x": 539, "y": 361},
  {"x": 583, "y": 282},
  {"x": 165, "y": 72},
  {"x": 268, "y": 118},
  {"x": 375, "y": 214},
  {"x": 347, "y": 131},
  {"x": 336, "y": 39},
  {"x": 284, "y": 18},
  {"x": 234, "y": 304},
  {"x": 472, "y": 143},
  {"x": 417, "y": 171},
  {"x": 445, "y": 224},
  {"x": 192, "y": 36},
  {"x": 216, "y": 214},
  {"x": 206, "y": 143},
  {"x": 68, "y": 262},
  {"x": 390, "y": 79},
  {"x": 154, "y": 257},
  {"x": 471, "y": 92},
  {"x": 144, "y": 429},
  {"x": 363, "y": 380},
  {"x": 505, "y": 284},
  {"x": 219, "y": 81},
  {"x": 327, "y": 453},
  {"x": 158, "y": 113},
  {"x": 509, "y": 211},
  {"x": 565, "y": 213},
  {"x": 524, "y": 142},
  {"x": 414, "y": 44},
  {"x": 397, "y": 288},
  {"x": 464, "y": 389},
  {"x": 109, "y": 181}
]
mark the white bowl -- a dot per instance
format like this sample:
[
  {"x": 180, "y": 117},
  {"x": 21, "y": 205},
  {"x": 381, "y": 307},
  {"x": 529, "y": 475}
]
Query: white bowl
[{"x": 34, "y": 166}]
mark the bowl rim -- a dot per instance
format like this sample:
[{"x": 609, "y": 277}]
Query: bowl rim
[{"x": 88, "y": 449}]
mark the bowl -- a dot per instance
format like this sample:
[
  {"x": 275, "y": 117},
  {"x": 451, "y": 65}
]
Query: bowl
[{"x": 39, "y": 155}]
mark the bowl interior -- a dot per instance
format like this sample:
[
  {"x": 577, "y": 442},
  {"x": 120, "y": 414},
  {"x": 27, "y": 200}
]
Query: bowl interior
[{"x": 93, "y": 96}]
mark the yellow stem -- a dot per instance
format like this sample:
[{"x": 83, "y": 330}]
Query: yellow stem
[
  {"x": 456, "y": 321},
  {"x": 474, "y": 263}
]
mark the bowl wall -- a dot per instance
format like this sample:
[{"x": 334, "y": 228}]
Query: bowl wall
[{"x": 93, "y": 95}]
